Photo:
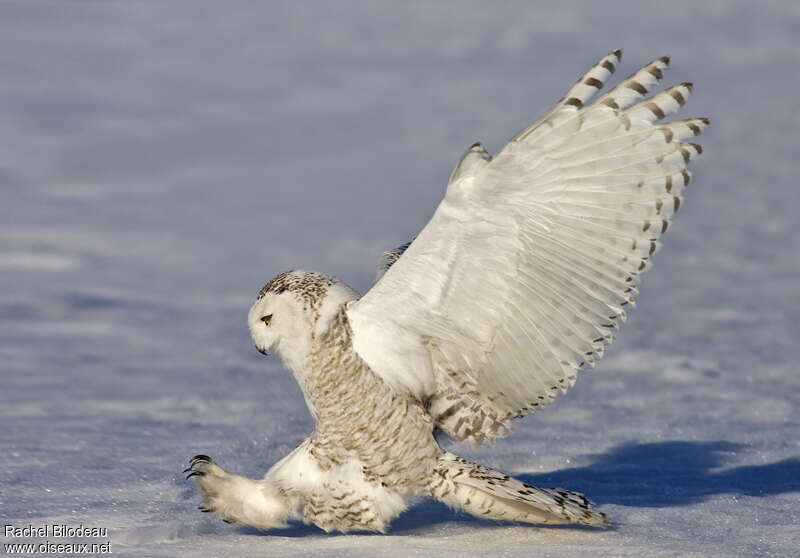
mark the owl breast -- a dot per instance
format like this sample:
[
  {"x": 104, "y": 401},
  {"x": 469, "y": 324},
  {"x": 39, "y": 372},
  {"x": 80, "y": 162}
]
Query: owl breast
[{"x": 361, "y": 418}]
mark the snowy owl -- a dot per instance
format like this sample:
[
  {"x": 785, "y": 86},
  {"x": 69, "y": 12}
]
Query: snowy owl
[{"x": 515, "y": 284}]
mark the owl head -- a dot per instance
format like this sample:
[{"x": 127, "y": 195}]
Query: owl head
[{"x": 292, "y": 309}]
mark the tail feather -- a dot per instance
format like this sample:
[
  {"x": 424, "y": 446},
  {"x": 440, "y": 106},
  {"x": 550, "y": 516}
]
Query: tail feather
[{"x": 490, "y": 494}]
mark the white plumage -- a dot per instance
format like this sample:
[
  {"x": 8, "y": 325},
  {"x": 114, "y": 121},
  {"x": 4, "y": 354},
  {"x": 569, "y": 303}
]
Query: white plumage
[{"x": 516, "y": 282}]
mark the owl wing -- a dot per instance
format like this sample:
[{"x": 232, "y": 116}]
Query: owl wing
[
  {"x": 529, "y": 262},
  {"x": 388, "y": 258}
]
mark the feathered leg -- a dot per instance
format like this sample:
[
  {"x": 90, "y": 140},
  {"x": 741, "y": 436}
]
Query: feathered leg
[
  {"x": 237, "y": 499},
  {"x": 490, "y": 494}
]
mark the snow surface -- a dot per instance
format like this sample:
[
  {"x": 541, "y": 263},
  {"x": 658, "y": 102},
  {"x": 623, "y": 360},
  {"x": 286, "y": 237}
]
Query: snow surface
[{"x": 159, "y": 162}]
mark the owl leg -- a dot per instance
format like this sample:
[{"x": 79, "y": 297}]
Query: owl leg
[{"x": 237, "y": 499}]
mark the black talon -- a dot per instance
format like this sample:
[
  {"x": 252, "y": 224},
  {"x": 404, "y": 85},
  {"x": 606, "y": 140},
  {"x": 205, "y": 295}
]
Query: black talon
[
  {"x": 201, "y": 457},
  {"x": 195, "y": 474},
  {"x": 187, "y": 469}
]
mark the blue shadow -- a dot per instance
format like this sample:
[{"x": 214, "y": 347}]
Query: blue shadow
[
  {"x": 671, "y": 473},
  {"x": 660, "y": 474}
]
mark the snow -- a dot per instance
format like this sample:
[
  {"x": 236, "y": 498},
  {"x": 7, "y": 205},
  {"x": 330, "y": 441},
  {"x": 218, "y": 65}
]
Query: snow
[{"x": 160, "y": 162}]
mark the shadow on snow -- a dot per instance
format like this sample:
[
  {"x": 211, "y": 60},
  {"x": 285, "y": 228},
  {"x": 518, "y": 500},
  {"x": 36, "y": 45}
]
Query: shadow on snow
[
  {"x": 671, "y": 473},
  {"x": 658, "y": 474}
]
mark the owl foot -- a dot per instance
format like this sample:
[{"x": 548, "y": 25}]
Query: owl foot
[
  {"x": 210, "y": 479},
  {"x": 236, "y": 499}
]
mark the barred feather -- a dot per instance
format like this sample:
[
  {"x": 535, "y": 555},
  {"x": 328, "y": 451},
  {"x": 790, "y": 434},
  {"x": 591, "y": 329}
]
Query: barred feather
[{"x": 533, "y": 256}]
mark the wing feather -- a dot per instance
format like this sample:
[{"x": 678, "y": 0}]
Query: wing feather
[
  {"x": 529, "y": 262},
  {"x": 388, "y": 258}
]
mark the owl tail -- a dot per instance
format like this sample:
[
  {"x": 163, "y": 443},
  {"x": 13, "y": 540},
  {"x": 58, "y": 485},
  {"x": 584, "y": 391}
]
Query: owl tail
[{"x": 490, "y": 494}]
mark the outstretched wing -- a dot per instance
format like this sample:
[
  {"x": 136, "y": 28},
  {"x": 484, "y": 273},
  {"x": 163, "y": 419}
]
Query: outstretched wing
[
  {"x": 388, "y": 259},
  {"x": 528, "y": 263}
]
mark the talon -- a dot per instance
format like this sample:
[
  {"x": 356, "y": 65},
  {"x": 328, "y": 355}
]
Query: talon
[
  {"x": 201, "y": 457},
  {"x": 196, "y": 461},
  {"x": 195, "y": 474}
]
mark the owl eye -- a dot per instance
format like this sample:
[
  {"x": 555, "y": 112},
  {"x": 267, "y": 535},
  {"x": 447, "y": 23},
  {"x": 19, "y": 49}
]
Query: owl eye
[{"x": 266, "y": 319}]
